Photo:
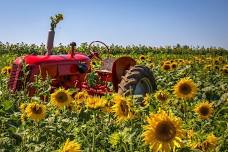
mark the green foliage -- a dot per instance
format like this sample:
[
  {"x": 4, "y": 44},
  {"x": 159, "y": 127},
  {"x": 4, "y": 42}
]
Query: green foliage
[{"x": 55, "y": 20}]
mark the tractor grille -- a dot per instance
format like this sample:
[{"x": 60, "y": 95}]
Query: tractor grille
[{"x": 15, "y": 75}]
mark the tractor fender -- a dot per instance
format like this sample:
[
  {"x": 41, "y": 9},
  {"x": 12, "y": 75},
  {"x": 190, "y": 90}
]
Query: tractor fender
[{"x": 119, "y": 68}]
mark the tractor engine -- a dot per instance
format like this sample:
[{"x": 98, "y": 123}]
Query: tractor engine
[{"x": 64, "y": 70}]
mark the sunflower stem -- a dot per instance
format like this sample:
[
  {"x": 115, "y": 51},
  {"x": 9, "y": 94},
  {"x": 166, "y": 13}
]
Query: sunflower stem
[
  {"x": 124, "y": 147},
  {"x": 94, "y": 121},
  {"x": 185, "y": 110}
]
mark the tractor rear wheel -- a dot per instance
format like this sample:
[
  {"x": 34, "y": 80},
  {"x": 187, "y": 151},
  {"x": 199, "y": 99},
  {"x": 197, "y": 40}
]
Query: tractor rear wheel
[{"x": 138, "y": 80}]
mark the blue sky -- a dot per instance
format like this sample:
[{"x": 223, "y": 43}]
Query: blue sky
[{"x": 122, "y": 22}]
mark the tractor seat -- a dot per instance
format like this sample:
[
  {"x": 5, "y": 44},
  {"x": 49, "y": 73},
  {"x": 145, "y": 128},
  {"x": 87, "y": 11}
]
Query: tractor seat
[{"x": 106, "y": 66}]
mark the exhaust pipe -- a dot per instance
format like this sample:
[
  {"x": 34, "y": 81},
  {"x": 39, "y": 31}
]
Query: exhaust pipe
[
  {"x": 73, "y": 45},
  {"x": 50, "y": 41}
]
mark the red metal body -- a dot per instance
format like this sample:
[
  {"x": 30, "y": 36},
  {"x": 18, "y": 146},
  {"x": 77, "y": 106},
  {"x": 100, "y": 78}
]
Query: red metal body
[
  {"x": 64, "y": 70},
  {"x": 34, "y": 59}
]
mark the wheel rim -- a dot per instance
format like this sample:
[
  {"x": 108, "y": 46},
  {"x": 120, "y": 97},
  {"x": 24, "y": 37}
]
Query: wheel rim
[{"x": 143, "y": 86}]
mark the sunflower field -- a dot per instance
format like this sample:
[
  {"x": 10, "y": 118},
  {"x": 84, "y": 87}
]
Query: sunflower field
[{"x": 188, "y": 111}]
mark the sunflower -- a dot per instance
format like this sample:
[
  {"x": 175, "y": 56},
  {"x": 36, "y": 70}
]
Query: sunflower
[
  {"x": 61, "y": 98},
  {"x": 163, "y": 132},
  {"x": 208, "y": 67},
  {"x": 71, "y": 146},
  {"x": 174, "y": 65},
  {"x": 220, "y": 58},
  {"x": 81, "y": 96},
  {"x": 185, "y": 89},
  {"x": 166, "y": 67},
  {"x": 204, "y": 110},
  {"x": 216, "y": 67},
  {"x": 216, "y": 61},
  {"x": 142, "y": 58},
  {"x": 180, "y": 60},
  {"x": 6, "y": 70},
  {"x": 95, "y": 102},
  {"x": 151, "y": 65},
  {"x": 150, "y": 60},
  {"x": 225, "y": 70},
  {"x": 122, "y": 108},
  {"x": 225, "y": 66},
  {"x": 36, "y": 111},
  {"x": 161, "y": 96},
  {"x": 114, "y": 139},
  {"x": 209, "y": 144},
  {"x": 95, "y": 64},
  {"x": 212, "y": 140}
]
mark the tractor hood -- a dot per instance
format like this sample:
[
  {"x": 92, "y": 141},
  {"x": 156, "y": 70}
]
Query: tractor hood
[{"x": 37, "y": 59}]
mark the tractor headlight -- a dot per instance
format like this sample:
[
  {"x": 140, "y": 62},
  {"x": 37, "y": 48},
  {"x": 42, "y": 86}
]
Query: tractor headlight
[{"x": 82, "y": 67}]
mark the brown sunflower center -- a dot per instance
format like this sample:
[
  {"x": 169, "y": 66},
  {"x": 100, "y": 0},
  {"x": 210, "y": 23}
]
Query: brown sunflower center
[
  {"x": 185, "y": 89},
  {"x": 226, "y": 71},
  {"x": 204, "y": 111},
  {"x": 61, "y": 97},
  {"x": 166, "y": 67},
  {"x": 165, "y": 131},
  {"x": 217, "y": 67},
  {"x": 174, "y": 65},
  {"x": 36, "y": 110},
  {"x": 124, "y": 107},
  {"x": 142, "y": 58},
  {"x": 216, "y": 62}
]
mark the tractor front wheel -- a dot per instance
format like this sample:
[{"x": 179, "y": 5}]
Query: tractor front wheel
[{"x": 138, "y": 80}]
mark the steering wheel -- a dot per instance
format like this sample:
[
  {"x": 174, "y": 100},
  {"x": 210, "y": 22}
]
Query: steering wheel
[{"x": 97, "y": 53}]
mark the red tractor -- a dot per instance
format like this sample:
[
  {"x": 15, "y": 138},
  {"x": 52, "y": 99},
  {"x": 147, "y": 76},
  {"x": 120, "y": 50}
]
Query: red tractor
[{"x": 71, "y": 71}]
